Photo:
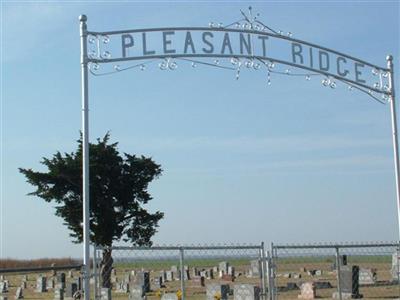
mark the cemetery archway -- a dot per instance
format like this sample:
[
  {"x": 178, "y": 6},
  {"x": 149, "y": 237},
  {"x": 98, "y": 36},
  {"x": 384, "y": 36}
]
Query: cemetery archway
[{"x": 246, "y": 43}]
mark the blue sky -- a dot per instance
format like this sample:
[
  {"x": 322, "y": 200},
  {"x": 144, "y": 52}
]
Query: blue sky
[{"x": 243, "y": 161}]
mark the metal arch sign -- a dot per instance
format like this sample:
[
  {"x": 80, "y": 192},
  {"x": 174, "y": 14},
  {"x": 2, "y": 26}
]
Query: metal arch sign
[
  {"x": 258, "y": 46},
  {"x": 247, "y": 43}
]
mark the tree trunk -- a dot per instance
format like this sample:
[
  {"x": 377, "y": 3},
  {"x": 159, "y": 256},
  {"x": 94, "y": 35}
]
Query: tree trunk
[{"x": 106, "y": 268}]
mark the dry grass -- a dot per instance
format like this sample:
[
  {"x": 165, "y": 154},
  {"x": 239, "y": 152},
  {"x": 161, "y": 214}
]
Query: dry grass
[{"x": 10, "y": 263}]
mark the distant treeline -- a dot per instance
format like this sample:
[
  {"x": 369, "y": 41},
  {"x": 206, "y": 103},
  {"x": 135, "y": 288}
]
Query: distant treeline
[{"x": 36, "y": 263}]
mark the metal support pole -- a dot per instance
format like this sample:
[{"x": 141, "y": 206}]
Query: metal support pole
[
  {"x": 85, "y": 155},
  {"x": 271, "y": 266},
  {"x": 263, "y": 271},
  {"x": 95, "y": 291},
  {"x": 389, "y": 60},
  {"x": 339, "y": 287},
  {"x": 182, "y": 264}
]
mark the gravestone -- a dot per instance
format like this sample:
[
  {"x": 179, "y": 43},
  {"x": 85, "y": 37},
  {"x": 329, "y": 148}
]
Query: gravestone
[
  {"x": 51, "y": 283},
  {"x": 395, "y": 271},
  {"x": 342, "y": 261},
  {"x": 307, "y": 291},
  {"x": 105, "y": 294},
  {"x": 158, "y": 282},
  {"x": 3, "y": 287},
  {"x": 349, "y": 283},
  {"x": 367, "y": 276},
  {"x": 163, "y": 275},
  {"x": 78, "y": 282},
  {"x": 59, "y": 294},
  {"x": 318, "y": 272},
  {"x": 41, "y": 284},
  {"x": 210, "y": 274},
  {"x": 61, "y": 280},
  {"x": 217, "y": 291},
  {"x": 199, "y": 280},
  {"x": 223, "y": 266},
  {"x": 254, "y": 268},
  {"x": 53, "y": 272},
  {"x": 24, "y": 284},
  {"x": 195, "y": 272},
  {"x": 128, "y": 277},
  {"x": 169, "y": 276},
  {"x": 136, "y": 292},
  {"x": 119, "y": 288},
  {"x": 322, "y": 285},
  {"x": 142, "y": 278},
  {"x": 287, "y": 275},
  {"x": 19, "y": 293},
  {"x": 291, "y": 286},
  {"x": 311, "y": 272},
  {"x": 231, "y": 271},
  {"x": 70, "y": 289},
  {"x": 2, "y": 277},
  {"x": 246, "y": 292},
  {"x": 114, "y": 279},
  {"x": 169, "y": 296},
  {"x": 215, "y": 270},
  {"x": 174, "y": 269},
  {"x": 70, "y": 274}
]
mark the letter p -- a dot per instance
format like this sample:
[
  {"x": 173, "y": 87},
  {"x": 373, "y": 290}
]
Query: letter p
[{"x": 127, "y": 42}]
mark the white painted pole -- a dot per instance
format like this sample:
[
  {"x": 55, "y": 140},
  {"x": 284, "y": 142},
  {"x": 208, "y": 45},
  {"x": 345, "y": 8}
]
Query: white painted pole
[
  {"x": 85, "y": 156},
  {"x": 389, "y": 60}
]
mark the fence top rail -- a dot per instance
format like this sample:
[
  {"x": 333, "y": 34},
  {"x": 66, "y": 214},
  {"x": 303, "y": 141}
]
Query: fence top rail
[
  {"x": 40, "y": 269},
  {"x": 337, "y": 246},
  {"x": 236, "y": 247}
]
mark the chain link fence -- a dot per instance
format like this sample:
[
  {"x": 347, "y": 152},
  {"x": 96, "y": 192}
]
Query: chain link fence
[
  {"x": 238, "y": 272},
  {"x": 344, "y": 271},
  {"x": 195, "y": 272}
]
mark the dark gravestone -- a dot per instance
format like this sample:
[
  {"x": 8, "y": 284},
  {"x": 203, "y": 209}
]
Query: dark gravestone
[
  {"x": 78, "y": 282},
  {"x": 18, "y": 293},
  {"x": 41, "y": 284},
  {"x": 292, "y": 286},
  {"x": 61, "y": 280},
  {"x": 342, "y": 262},
  {"x": 59, "y": 294}
]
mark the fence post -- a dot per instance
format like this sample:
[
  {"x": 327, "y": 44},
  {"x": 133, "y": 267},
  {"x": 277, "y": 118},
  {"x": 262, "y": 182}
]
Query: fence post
[
  {"x": 271, "y": 272},
  {"x": 182, "y": 265},
  {"x": 270, "y": 277},
  {"x": 95, "y": 271},
  {"x": 263, "y": 270},
  {"x": 339, "y": 288}
]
